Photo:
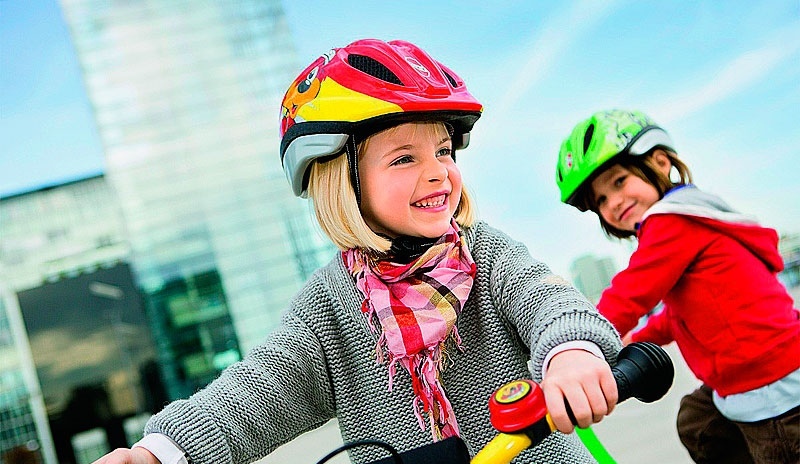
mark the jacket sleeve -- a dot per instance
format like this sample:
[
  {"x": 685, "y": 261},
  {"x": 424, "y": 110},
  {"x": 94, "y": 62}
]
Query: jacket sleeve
[
  {"x": 545, "y": 309},
  {"x": 278, "y": 391},
  {"x": 668, "y": 244},
  {"x": 656, "y": 329}
]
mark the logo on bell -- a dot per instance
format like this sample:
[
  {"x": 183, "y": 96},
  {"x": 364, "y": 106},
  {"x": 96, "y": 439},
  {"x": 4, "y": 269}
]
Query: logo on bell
[
  {"x": 512, "y": 392},
  {"x": 418, "y": 66}
]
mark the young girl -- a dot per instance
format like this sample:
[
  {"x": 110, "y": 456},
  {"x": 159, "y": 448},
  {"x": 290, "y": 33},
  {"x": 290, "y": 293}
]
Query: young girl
[
  {"x": 405, "y": 335},
  {"x": 715, "y": 271}
]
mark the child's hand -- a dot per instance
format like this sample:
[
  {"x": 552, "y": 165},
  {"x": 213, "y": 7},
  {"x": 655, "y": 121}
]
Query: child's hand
[
  {"x": 136, "y": 455},
  {"x": 587, "y": 384}
]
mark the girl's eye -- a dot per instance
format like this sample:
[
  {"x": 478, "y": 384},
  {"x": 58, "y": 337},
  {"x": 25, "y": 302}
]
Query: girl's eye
[
  {"x": 600, "y": 200},
  {"x": 619, "y": 181},
  {"x": 446, "y": 151},
  {"x": 402, "y": 160}
]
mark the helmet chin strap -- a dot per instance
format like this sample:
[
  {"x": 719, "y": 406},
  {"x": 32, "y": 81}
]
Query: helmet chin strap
[
  {"x": 405, "y": 248},
  {"x": 352, "y": 162}
]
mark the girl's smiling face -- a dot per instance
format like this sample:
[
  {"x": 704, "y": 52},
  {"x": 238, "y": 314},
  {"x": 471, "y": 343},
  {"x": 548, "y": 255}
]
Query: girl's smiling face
[
  {"x": 622, "y": 197},
  {"x": 410, "y": 184}
]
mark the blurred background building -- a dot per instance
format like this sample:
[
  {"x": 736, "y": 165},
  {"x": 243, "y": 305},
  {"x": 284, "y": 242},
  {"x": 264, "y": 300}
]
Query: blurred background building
[
  {"x": 591, "y": 275},
  {"x": 137, "y": 286},
  {"x": 54, "y": 243},
  {"x": 789, "y": 247}
]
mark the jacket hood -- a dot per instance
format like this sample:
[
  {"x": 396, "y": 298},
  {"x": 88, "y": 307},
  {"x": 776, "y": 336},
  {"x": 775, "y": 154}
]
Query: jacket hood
[{"x": 712, "y": 211}]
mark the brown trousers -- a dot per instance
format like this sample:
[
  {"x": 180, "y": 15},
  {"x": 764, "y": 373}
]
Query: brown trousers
[{"x": 711, "y": 438}]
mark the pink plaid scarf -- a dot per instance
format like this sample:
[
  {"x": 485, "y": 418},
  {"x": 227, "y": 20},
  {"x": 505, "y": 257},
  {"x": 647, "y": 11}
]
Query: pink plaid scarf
[{"x": 417, "y": 305}]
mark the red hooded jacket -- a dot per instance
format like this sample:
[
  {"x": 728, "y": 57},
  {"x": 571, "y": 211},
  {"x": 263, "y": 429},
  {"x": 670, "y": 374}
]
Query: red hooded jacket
[{"x": 715, "y": 270}]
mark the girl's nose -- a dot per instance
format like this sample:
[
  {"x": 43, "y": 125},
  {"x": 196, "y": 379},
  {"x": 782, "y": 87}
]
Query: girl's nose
[
  {"x": 615, "y": 201},
  {"x": 436, "y": 171}
]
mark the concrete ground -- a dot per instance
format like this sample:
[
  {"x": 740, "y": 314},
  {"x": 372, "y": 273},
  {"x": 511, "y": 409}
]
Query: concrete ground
[{"x": 635, "y": 433}]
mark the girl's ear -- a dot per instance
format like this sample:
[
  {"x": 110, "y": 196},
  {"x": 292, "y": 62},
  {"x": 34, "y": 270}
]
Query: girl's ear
[{"x": 662, "y": 161}]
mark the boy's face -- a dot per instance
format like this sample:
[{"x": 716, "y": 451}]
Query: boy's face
[
  {"x": 410, "y": 184},
  {"x": 622, "y": 197}
]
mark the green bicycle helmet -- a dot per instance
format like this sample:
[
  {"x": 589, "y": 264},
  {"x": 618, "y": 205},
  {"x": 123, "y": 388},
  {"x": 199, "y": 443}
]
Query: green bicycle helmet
[{"x": 602, "y": 137}]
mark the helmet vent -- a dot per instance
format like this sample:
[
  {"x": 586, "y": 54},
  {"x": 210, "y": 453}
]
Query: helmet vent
[
  {"x": 374, "y": 68},
  {"x": 587, "y": 138},
  {"x": 450, "y": 78}
]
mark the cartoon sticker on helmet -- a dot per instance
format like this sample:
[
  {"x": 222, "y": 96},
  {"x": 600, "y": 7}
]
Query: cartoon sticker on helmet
[
  {"x": 624, "y": 134},
  {"x": 302, "y": 92}
]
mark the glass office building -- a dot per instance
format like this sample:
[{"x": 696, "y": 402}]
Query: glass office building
[
  {"x": 24, "y": 430},
  {"x": 177, "y": 260},
  {"x": 59, "y": 246},
  {"x": 186, "y": 97},
  {"x": 94, "y": 356}
]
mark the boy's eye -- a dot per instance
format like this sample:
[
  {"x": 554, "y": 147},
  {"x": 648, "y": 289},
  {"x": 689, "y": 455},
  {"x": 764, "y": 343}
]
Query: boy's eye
[
  {"x": 446, "y": 151},
  {"x": 402, "y": 160}
]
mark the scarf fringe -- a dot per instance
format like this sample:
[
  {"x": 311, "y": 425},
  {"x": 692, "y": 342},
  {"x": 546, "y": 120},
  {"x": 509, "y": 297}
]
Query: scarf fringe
[
  {"x": 429, "y": 395},
  {"x": 447, "y": 263}
]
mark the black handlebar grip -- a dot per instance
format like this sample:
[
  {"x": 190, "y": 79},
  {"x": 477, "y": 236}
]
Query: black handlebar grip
[{"x": 643, "y": 371}]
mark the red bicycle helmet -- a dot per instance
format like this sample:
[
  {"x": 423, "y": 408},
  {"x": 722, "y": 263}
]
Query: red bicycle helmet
[{"x": 358, "y": 90}]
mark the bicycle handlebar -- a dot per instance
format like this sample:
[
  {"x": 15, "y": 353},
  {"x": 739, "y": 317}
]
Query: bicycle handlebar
[{"x": 517, "y": 409}]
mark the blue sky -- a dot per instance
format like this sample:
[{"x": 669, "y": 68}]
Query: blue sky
[{"x": 721, "y": 77}]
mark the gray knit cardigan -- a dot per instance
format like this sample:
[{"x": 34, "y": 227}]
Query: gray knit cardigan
[{"x": 320, "y": 364}]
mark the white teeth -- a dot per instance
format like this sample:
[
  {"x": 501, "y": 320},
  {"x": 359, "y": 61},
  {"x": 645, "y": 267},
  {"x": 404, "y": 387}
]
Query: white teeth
[{"x": 430, "y": 202}]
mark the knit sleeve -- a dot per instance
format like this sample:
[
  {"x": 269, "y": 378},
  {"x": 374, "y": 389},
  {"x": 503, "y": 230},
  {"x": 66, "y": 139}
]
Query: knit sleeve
[
  {"x": 544, "y": 308},
  {"x": 278, "y": 391}
]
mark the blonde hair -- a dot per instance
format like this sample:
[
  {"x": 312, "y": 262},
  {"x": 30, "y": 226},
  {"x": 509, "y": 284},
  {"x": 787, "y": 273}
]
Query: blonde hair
[
  {"x": 645, "y": 168},
  {"x": 337, "y": 210}
]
